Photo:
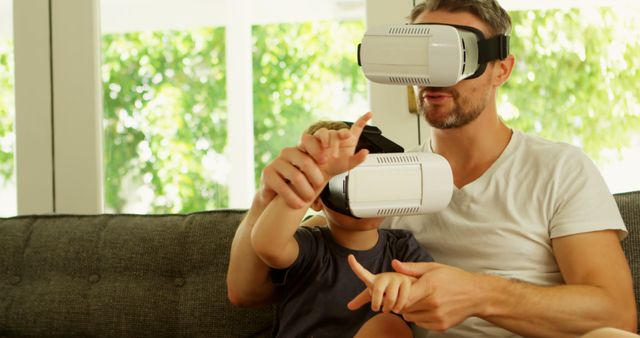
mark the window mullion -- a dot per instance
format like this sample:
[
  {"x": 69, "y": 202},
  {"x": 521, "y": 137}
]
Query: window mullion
[
  {"x": 77, "y": 106},
  {"x": 240, "y": 135},
  {"x": 34, "y": 157}
]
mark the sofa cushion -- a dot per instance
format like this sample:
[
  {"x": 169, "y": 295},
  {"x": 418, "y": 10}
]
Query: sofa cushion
[{"x": 121, "y": 275}]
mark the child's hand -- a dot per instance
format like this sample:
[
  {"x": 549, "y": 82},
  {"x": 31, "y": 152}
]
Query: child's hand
[
  {"x": 338, "y": 148},
  {"x": 387, "y": 291},
  {"x": 334, "y": 150}
]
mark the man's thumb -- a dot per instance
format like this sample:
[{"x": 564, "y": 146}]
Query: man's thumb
[{"x": 415, "y": 269}]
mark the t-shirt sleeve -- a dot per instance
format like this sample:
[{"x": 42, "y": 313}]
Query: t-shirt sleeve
[
  {"x": 582, "y": 200},
  {"x": 306, "y": 243}
]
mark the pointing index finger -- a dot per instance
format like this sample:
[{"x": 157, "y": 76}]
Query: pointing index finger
[
  {"x": 362, "y": 273},
  {"x": 361, "y": 122}
]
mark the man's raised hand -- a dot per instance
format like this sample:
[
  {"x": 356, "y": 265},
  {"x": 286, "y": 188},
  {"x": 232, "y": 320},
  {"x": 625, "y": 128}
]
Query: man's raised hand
[{"x": 387, "y": 291}]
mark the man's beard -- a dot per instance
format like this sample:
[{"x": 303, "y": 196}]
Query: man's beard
[{"x": 457, "y": 117}]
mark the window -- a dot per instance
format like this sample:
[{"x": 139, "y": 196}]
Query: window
[
  {"x": 169, "y": 90},
  {"x": 7, "y": 112},
  {"x": 303, "y": 72},
  {"x": 167, "y": 110},
  {"x": 164, "y": 110},
  {"x": 576, "y": 81}
]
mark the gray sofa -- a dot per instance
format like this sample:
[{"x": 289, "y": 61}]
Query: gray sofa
[{"x": 143, "y": 275}]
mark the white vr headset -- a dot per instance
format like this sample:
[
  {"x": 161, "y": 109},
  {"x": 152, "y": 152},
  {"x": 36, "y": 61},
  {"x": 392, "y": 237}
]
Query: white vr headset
[
  {"x": 432, "y": 55},
  {"x": 392, "y": 185},
  {"x": 390, "y": 182}
]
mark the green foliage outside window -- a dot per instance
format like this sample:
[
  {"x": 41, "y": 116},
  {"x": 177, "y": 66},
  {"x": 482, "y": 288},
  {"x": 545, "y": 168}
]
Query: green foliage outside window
[
  {"x": 7, "y": 144},
  {"x": 165, "y": 119},
  {"x": 164, "y": 95},
  {"x": 576, "y": 77},
  {"x": 295, "y": 68}
]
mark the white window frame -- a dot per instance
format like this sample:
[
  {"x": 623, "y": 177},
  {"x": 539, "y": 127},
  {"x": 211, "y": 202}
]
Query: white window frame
[
  {"x": 77, "y": 106},
  {"x": 58, "y": 106},
  {"x": 33, "y": 151}
]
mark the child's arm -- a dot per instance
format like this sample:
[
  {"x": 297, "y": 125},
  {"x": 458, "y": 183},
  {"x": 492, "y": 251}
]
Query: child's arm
[{"x": 272, "y": 235}]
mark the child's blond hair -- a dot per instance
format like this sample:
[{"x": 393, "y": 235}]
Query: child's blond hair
[{"x": 330, "y": 125}]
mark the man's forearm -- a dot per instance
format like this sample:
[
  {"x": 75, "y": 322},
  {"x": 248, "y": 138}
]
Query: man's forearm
[
  {"x": 248, "y": 282},
  {"x": 555, "y": 311}
]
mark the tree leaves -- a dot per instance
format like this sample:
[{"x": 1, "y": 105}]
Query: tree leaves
[
  {"x": 301, "y": 71},
  {"x": 7, "y": 138},
  {"x": 164, "y": 96},
  {"x": 576, "y": 77}
]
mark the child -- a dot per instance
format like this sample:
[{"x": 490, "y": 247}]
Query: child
[{"x": 310, "y": 266}]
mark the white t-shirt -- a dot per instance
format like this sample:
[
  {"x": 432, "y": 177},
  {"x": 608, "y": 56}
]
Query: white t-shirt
[{"x": 503, "y": 222}]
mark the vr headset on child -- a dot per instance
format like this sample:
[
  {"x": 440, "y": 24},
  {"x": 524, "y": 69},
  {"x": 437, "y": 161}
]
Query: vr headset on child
[{"x": 390, "y": 182}]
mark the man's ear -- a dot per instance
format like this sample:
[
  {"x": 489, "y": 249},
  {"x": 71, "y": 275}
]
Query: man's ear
[{"x": 503, "y": 69}]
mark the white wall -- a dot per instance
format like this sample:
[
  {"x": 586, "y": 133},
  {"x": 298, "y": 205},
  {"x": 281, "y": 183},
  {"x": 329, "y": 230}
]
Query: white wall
[
  {"x": 138, "y": 15},
  {"x": 6, "y": 19}
]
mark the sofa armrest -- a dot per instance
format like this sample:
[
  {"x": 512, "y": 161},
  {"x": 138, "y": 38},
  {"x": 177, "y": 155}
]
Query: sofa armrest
[{"x": 629, "y": 206}]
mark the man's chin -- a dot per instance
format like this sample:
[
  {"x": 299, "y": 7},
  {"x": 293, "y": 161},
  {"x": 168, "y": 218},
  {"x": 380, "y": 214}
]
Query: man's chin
[
  {"x": 449, "y": 122},
  {"x": 441, "y": 125},
  {"x": 438, "y": 120}
]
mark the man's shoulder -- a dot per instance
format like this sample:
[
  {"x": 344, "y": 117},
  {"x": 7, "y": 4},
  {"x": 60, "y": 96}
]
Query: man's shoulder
[
  {"x": 540, "y": 144},
  {"x": 537, "y": 149}
]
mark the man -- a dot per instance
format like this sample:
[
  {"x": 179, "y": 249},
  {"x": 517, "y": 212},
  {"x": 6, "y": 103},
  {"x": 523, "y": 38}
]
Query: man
[{"x": 530, "y": 242}]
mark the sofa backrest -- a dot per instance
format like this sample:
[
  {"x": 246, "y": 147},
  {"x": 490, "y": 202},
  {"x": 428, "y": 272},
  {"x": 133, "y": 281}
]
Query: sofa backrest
[
  {"x": 629, "y": 205},
  {"x": 121, "y": 276},
  {"x": 145, "y": 275}
]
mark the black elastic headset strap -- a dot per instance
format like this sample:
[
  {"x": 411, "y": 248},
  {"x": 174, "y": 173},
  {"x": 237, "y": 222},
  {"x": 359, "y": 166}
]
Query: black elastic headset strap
[
  {"x": 372, "y": 139},
  {"x": 494, "y": 48},
  {"x": 328, "y": 201}
]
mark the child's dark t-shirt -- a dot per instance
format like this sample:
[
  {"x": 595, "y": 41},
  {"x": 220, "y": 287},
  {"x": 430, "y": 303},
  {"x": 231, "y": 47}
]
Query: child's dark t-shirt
[{"x": 315, "y": 290}]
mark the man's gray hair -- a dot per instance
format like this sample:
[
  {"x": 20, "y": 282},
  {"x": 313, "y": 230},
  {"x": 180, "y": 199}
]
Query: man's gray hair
[{"x": 488, "y": 11}]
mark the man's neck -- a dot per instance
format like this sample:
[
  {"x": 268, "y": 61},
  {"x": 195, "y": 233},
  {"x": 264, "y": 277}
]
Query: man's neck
[{"x": 472, "y": 149}]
